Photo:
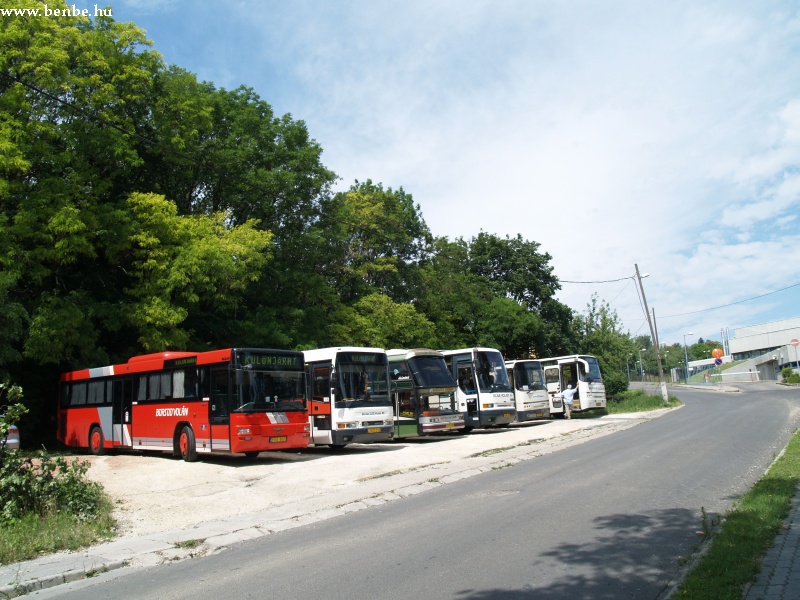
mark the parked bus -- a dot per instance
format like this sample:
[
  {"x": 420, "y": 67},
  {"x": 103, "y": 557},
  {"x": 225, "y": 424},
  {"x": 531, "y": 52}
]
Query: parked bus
[
  {"x": 531, "y": 397},
  {"x": 484, "y": 394},
  {"x": 242, "y": 400},
  {"x": 423, "y": 394},
  {"x": 582, "y": 371},
  {"x": 349, "y": 396}
]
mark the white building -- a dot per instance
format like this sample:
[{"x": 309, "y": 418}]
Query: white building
[
  {"x": 767, "y": 347},
  {"x": 755, "y": 340}
]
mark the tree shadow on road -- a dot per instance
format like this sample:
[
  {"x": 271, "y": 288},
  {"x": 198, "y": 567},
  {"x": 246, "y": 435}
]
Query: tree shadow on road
[{"x": 636, "y": 556}]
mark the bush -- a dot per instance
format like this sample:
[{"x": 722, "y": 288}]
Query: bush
[
  {"x": 42, "y": 484},
  {"x": 616, "y": 383},
  {"x": 789, "y": 376}
]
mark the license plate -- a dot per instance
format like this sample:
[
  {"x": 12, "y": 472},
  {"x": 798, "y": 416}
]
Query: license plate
[
  {"x": 374, "y": 430},
  {"x": 506, "y": 414},
  {"x": 449, "y": 426},
  {"x": 275, "y": 440},
  {"x": 538, "y": 414}
]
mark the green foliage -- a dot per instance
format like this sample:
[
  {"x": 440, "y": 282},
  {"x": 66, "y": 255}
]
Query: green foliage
[
  {"x": 377, "y": 321},
  {"x": 600, "y": 334},
  {"x": 638, "y": 401},
  {"x": 40, "y": 484},
  {"x": 30, "y": 536},
  {"x": 789, "y": 376}
]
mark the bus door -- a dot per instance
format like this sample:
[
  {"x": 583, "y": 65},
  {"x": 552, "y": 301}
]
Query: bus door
[
  {"x": 465, "y": 376},
  {"x": 552, "y": 381},
  {"x": 220, "y": 408},
  {"x": 319, "y": 409},
  {"x": 122, "y": 412}
]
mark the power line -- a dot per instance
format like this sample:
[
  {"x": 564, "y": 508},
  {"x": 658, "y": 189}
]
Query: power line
[
  {"x": 606, "y": 281},
  {"x": 732, "y": 303}
]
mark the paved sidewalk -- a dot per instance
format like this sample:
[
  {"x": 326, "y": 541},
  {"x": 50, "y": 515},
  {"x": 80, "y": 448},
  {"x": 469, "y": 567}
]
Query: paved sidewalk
[{"x": 780, "y": 571}]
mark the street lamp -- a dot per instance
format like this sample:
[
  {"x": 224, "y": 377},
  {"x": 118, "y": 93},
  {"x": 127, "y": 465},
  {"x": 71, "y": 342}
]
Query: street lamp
[
  {"x": 641, "y": 363},
  {"x": 686, "y": 359}
]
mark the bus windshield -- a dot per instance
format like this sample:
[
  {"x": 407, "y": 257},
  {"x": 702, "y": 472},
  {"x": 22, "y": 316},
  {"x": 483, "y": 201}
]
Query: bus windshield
[
  {"x": 492, "y": 376},
  {"x": 363, "y": 384},
  {"x": 593, "y": 374},
  {"x": 528, "y": 376},
  {"x": 430, "y": 372},
  {"x": 269, "y": 390}
]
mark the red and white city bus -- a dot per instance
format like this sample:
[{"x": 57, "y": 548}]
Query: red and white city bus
[{"x": 242, "y": 400}]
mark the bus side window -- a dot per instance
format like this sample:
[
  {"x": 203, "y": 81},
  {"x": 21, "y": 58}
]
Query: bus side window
[
  {"x": 321, "y": 384},
  {"x": 141, "y": 394},
  {"x": 465, "y": 380}
]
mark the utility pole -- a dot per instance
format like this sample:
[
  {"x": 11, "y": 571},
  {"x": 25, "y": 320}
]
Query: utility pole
[{"x": 654, "y": 337}]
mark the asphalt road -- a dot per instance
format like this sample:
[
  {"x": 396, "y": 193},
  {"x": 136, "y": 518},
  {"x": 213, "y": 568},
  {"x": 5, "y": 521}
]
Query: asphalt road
[{"x": 615, "y": 517}]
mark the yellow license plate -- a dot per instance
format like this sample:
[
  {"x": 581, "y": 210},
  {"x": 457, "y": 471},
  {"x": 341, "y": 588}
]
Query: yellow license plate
[
  {"x": 539, "y": 414},
  {"x": 374, "y": 430},
  {"x": 449, "y": 426},
  {"x": 275, "y": 440},
  {"x": 506, "y": 414}
]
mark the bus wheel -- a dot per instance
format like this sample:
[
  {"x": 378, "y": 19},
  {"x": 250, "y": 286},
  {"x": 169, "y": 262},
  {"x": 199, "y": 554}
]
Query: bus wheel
[
  {"x": 186, "y": 444},
  {"x": 467, "y": 429},
  {"x": 251, "y": 454},
  {"x": 96, "y": 441},
  {"x": 337, "y": 446}
]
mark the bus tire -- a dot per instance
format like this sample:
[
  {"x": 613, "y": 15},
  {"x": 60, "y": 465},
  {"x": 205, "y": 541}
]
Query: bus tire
[
  {"x": 467, "y": 429},
  {"x": 186, "y": 444},
  {"x": 337, "y": 447},
  {"x": 96, "y": 441},
  {"x": 251, "y": 454}
]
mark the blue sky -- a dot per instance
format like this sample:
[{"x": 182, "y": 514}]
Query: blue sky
[{"x": 663, "y": 134}]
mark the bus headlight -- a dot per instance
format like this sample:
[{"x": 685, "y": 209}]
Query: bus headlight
[
  {"x": 244, "y": 430},
  {"x": 347, "y": 425},
  {"x": 488, "y": 406}
]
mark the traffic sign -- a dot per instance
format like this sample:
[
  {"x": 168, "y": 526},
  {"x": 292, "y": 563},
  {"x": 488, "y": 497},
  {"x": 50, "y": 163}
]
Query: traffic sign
[
  {"x": 716, "y": 353},
  {"x": 795, "y": 342},
  {"x": 718, "y": 361}
]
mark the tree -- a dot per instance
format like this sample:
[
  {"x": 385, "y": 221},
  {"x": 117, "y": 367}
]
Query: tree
[
  {"x": 602, "y": 336},
  {"x": 378, "y": 321},
  {"x": 379, "y": 237}
]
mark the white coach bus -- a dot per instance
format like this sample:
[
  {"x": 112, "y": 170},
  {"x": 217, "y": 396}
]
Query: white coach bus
[
  {"x": 531, "y": 397},
  {"x": 581, "y": 371},
  {"x": 349, "y": 396},
  {"x": 484, "y": 394}
]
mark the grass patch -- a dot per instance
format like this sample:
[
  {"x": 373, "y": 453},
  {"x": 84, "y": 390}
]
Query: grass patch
[
  {"x": 189, "y": 544},
  {"x": 637, "y": 401},
  {"x": 486, "y": 453},
  {"x": 747, "y": 531},
  {"x": 31, "y": 535}
]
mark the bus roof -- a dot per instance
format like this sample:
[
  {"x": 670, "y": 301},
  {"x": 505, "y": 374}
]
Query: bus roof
[{"x": 399, "y": 354}]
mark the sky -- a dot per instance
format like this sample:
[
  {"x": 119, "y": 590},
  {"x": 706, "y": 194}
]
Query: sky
[{"x": 614, "y": 134}]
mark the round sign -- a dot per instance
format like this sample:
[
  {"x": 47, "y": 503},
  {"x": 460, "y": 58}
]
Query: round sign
[
  {"x": 716, "y": 353},
  {"x": 795, "y": 342},
  {"x": 718, "y": 361}
]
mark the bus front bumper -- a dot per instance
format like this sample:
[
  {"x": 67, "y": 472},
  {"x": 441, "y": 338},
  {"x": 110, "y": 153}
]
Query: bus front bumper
[{"x": 362, "y": 436}]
